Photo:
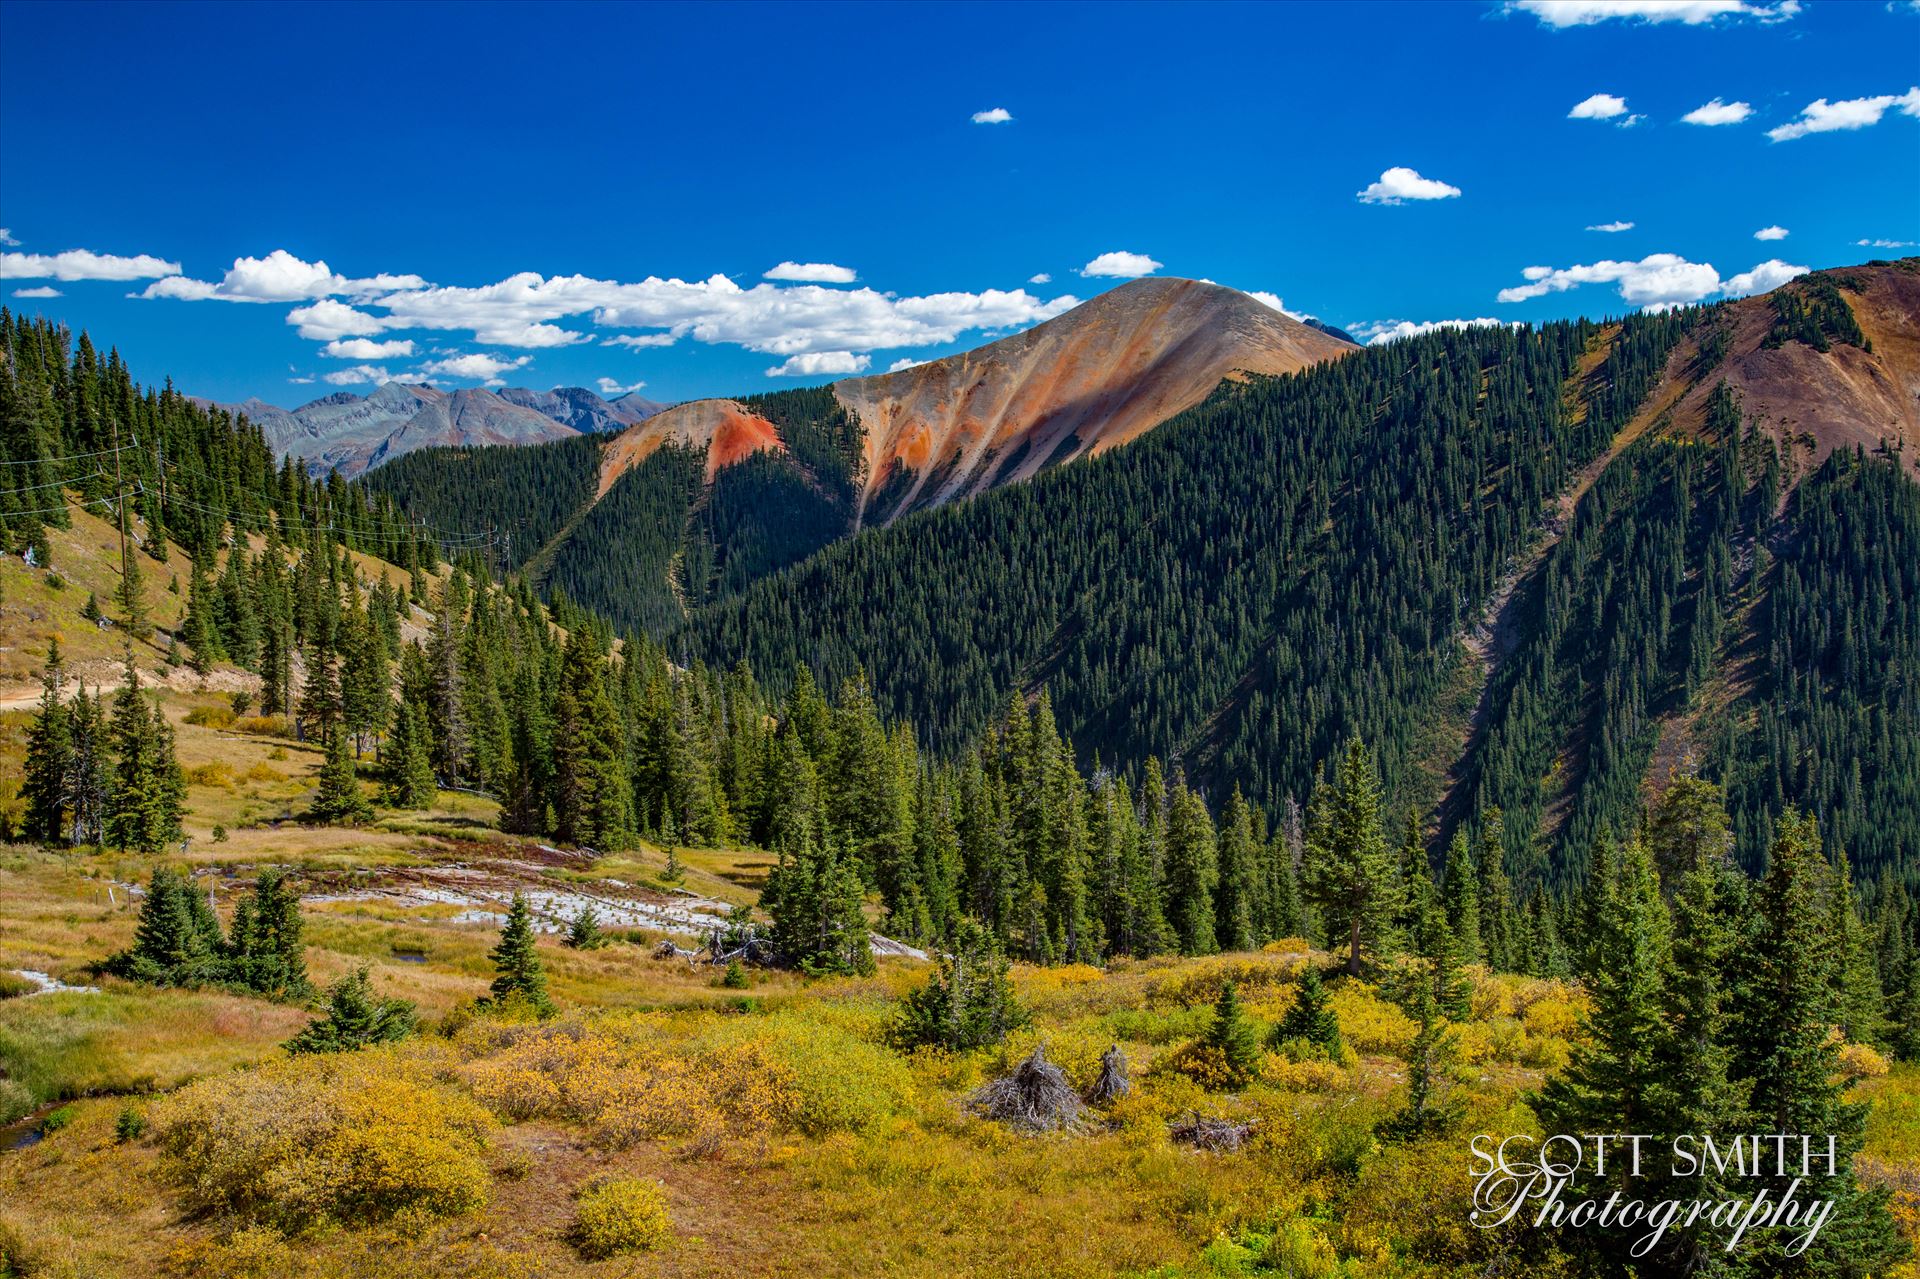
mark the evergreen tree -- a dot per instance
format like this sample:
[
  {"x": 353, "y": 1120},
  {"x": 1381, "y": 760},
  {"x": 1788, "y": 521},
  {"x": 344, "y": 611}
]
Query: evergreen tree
[
  {"x": 1192, "y": 871},
  {"x": 518, "y": 976},
  {"x": 584, "y": 932},
  {"x": 967, "y": 1003},
  {"x": 1232, "y": 1038},
  {"x": 144, "y": 805},
  {"x": 355, "y": 1018},
  {"x": 815, "y": 901},
  {"x": 1351, "y": 876},
  {"x": 264, "y": 950},
  {"x": 1500, "y": 930},
  {"x": 339, "y": 801},
  {"x": 1783, "y": 1010},
  {"x": 1614, "y": 1080},
  {"x": 176, "y": 941},
  {"x": 1237, "y": 903},
  {"x": 1433, "y": 1050},
  {"x": 409, "y": 761},
  {"x": 1309, "y": 1025},
  {"x": 50, "y": 756}
]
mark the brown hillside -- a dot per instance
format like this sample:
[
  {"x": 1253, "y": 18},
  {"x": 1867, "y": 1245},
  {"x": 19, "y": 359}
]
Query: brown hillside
[
  {"x": 1100, "y": 375},
  {"x": 1822, "y": 401},
  {"x": 727, "y": 431}
]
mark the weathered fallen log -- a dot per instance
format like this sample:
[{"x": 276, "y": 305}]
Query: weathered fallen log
[{"x": 1221, "y": 1136}]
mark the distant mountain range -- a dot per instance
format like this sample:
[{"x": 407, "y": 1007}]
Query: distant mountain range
[{"x": 352, "y": 433}]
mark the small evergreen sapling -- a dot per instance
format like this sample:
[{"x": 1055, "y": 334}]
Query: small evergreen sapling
[
  {"x": 518, "y": 976},
  {"x": 584, "y": 932},
  {"x": 967, "y": 1003},
  {"x": 1233, "y": 1038},
  {"x": 355, "y": 1018},
  {"x": 1309, "y": 1028}
]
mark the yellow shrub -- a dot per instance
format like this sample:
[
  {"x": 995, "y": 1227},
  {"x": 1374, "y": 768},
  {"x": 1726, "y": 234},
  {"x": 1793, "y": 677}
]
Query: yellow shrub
[
  {"x": 264, "y": 773},
  {"x": 210, "y": 716},
  {"x": 622, "y": 1214},
  {"x": 628, "y": 1080},
  {"x": 1306, "y": 1076},
  {"x": 218, "y": 773},
  {"x": 263, "y": 725},
  {"x": 1552, "y": 1016},
  {"x": 353, "y": 1137},
  {"x": 1861, "y": 1061},
  {"x": 1288, "y": 946},
  {"x": 1370, "y": 1023}
]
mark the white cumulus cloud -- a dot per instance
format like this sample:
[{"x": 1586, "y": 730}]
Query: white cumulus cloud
[
  {"x": 1611, "y": 228},
  {"x": 83, "y": 264},
  {"x": 1865, "y": 244},
  {"x": 1692, "y": 13},
  {"x": 279, "y": 277},
  {"x": 903, "y": 363},
  {"x": 814, "y": 363},
  {"x": 1771, "y": 233},
  {"x": 327, "y": 319},
  {"x": 1042, "y": 278},
  {"x": 1764, "y": 278},
  {"x": 608, "y": 386},
  {"x": 365, "y": 349},
  {"x": 640, "y": 341},
  {"x": 1601, "y": 106},
  {"x": 1822, "y": 116},
  {"x": 44, "y": 291},
  {"x": 1400, "y": 184},
  {"x": 1717, "y": 112},
  {"x": 1380, "y": 332},
  {"x": 1657, "y": 281},
  {"x": 812, "y": 272},
  {"x": 1120, "y": 265},
  {"x": 995, "y": 115},
  {"x": 6, "y": 237},
  {"x": 356, "y": 376},
  {"x": 1272, "y": 300},
  {"x": 478, "y": 365}
]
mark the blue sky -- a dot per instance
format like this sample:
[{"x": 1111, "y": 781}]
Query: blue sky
[{"x": 503, "y": 192}]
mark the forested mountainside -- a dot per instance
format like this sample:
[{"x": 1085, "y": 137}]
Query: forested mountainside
[
  {"x": 772, "y": 478},
  {"x": 1301, "y": 558},
  {"x": 74, "y": 421}
]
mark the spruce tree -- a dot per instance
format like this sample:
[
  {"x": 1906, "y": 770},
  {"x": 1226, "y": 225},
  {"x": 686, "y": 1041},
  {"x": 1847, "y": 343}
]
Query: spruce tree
[
  {"x": 50, "y": 756},
  {"x": 1309, "y": 1025},
  {"x": 144, "y": 806},
  {"x": 1351, "y": 875},
  {"x": 1430, "y": 1054},
  {"x": 265, "y": 952},
  {"x": 1192, "y": 872},
  {"x": 1236, "y": 903},
  {"x": 338, "y": 800},
  {"x": 967, "y": 1003},
  {"x": 1614, "y": 1081},
  {"x": 408, "y": 760},
  {"x": 1783, "y": 1011},
  {"x": 814, "y": 898},
  {"x": 518, "y": 976},
  {"x": 1232, "y": 1038},
  {"x": 355, "y": 1017},
  {"x": 176, "y": 941},
  {"x": 584, "y": 932}
]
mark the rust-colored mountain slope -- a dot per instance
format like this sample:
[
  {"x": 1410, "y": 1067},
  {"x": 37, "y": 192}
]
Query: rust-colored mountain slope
[
  {"x": 726, "y": 430},
  {"x": 1099, "y": 375},
  {"x": 1818, "y": 401}
]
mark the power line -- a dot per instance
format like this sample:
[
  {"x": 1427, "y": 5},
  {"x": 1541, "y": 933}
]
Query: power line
[{"x": 64, "y": 458}]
